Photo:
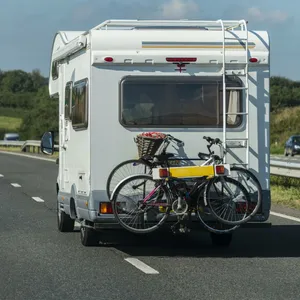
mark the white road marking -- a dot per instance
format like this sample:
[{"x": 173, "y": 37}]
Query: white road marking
[
  {"x": 38, "y": 199},
  {"x": 141, "y": 266},
  {"x": 15, "y": 185},
  {"x": 285, "y": 216},
  {"x": 1, "y": 175}
]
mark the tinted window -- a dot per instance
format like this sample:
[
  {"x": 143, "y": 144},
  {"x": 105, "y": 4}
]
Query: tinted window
[
  {"x": 68, "y": 100},
  {"x": 80, "y": 104},
  {"x": 184, "y": 101}
]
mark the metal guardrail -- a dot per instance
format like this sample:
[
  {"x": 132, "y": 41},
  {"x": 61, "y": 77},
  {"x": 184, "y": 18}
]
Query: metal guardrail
[
  {"x": 278, "y": 166},
  {"x": 26, "y": 145}
]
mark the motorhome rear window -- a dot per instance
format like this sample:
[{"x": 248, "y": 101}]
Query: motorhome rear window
[{"x": 180, "y": 101}]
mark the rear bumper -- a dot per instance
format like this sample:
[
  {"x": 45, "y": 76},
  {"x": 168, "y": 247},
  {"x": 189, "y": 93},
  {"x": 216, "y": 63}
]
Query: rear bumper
[{"x": 109, "y": 222}]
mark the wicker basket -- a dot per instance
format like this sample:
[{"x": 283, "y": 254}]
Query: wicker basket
[{"x": 148, "y": 145}]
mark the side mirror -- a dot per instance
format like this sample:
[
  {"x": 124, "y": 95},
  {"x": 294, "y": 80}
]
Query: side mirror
[{"x": 47, "y": 143}]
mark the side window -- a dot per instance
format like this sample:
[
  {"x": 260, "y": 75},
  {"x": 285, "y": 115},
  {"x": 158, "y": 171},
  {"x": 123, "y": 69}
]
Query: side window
[
  {"x": 79, "y": 111},
  {"x": 54, "y": 70},
  {"x": 68, "y": 93}
]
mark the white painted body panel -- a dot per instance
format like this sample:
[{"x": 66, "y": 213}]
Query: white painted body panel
[{"x": 95, "y": 151}]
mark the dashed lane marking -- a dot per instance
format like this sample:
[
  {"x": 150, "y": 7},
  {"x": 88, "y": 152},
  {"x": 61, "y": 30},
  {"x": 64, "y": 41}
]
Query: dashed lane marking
[
  {"x": 141, "y": 266},
  {"x": 38, "y": 199},
  {"x": 15, "y": 185}
]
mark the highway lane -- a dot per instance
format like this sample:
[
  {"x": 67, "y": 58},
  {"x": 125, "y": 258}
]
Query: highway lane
[{"x": 38, "y": 262}]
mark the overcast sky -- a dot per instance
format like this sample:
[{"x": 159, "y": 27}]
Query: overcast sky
[{"x": 27, "y": 27}]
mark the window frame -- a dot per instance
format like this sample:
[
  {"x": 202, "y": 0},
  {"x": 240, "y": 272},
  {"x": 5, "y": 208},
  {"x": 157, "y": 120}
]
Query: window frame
[
  {"x": 68, "y": 85},
  {"x": 83, "y": 125},
  {"x": 231, "y": 81}
]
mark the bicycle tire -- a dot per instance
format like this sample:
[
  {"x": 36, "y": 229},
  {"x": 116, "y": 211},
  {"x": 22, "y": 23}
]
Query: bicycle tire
[
  {"x": 116, "y": 193},
  {"x": 234, "y": 182},
  {"x": 259, "y": 188},
  {"x": 206, "y": 225},
  {"x": 114, "y": 170}
]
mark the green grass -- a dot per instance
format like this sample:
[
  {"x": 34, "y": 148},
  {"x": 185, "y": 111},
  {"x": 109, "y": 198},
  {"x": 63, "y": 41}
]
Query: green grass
[
  {"x": 10, "y": 124},
  {"x": 285, "y": 191},
  {"x": 276, "y": 149}
]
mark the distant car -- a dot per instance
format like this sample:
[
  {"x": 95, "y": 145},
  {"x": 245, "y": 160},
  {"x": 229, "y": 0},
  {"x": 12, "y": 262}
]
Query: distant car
[
  {"x": 11, "y": 137},
  {"x": 292, "y": 145}
]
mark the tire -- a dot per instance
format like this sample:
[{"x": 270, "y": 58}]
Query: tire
[
  {"x": 258, "y": 185},
  {"x": 285, "y": 152},
  {"x": 109, "y": 187},
  {"x": 64, "y": 222},
  {"x": 88, "y": 236},
  {"x": 223, "y": 240},
  {"x": 219, "y": 227},
  {"x": 140, "y": 230},
  {"x": 208, "y": 200}
]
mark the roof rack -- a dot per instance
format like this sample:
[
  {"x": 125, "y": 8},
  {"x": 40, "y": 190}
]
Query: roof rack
[{"x": 173, "y": 24}]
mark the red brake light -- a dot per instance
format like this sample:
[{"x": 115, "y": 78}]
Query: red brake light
[
  {"x": 181, "y": 59},
  {"x": 108, "y": 59},
  {"x": 253, "y": 59},
  {"x": 220, "y": 169},
  {"x": 163, "y": 173}
]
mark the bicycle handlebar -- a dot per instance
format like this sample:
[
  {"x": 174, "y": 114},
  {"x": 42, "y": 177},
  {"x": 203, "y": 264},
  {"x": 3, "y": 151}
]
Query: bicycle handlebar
[{"x": 174, "y": 139}]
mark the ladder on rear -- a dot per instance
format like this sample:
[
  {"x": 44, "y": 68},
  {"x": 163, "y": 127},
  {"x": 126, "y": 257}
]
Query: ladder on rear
[{"x": 242, "y": 24}]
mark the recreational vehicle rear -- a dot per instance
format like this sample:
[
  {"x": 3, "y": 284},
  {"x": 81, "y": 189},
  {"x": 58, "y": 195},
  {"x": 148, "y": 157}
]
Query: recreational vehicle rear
[{"x": 124, "y": 77}]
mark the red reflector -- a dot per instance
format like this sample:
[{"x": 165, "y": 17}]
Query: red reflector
[
  {"x": 163, "y": 173},
  {"x": 181, "y": 59},
  {"x": 108, "y": 59},
  {"x": 106, "y": 208},
  {"x": 220, "y": 169},
  {"x": 253, "y": 60}
]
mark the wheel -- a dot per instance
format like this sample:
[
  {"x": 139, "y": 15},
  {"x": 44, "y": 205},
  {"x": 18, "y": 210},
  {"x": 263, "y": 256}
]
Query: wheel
[
  {"x": 88, "y": 236},
  {"x": 64, "y": 222},
  {"x": 132, "y": 165},
  {"x": 218, "y": 208},
  {"x": 285, "y": 152},
  {"x": 253, "y": 188},
  {"x": 204, "y": 215},
  {"x": 148, "y": 203},
  {"x": 221, "y": 239}
]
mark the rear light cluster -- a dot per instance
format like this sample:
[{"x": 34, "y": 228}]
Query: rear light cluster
[
  {"x": 105, "y": 208},
  {"x": 163, "y": 173},
  {"x": 220, "y": 169}
]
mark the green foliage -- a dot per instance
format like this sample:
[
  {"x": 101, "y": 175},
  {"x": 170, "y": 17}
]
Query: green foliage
[{"x": 26, "y": 95}]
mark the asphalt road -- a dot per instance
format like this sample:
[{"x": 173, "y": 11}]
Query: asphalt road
[{"x": 38, "y": 262}]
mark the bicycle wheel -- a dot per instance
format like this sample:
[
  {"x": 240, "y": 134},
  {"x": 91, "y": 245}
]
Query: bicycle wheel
[
  {"x": 147, "y": 202},
  {"x": 207, "y": 219},
  {"x": 235, "y": 211},
  {"x": 252, "y": 185},
  {"x": 119, "y": 172}
]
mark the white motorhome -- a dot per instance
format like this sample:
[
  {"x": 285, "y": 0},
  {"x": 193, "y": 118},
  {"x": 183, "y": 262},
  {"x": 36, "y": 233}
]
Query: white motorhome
[{"x": 180, "y": 70}]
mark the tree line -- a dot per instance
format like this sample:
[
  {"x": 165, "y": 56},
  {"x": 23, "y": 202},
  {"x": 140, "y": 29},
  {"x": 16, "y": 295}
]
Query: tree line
[{"x": 27, "y": 93}]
